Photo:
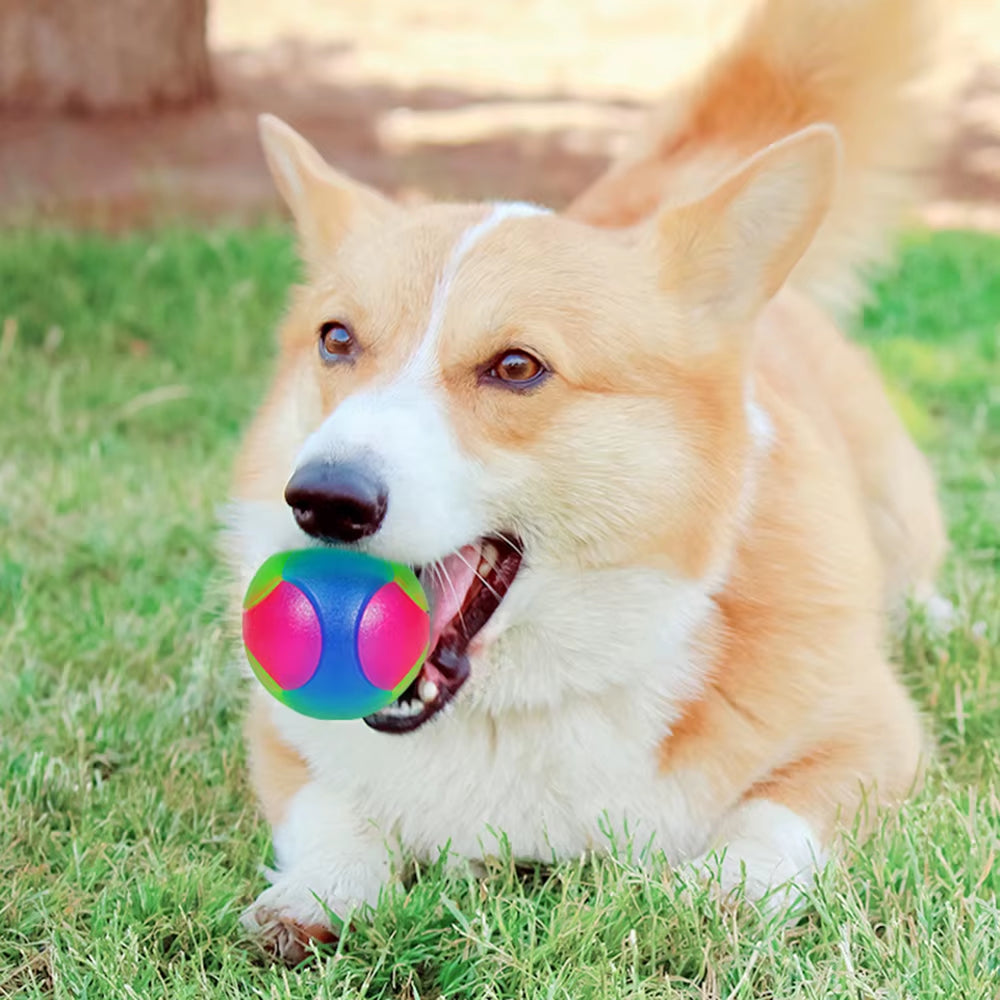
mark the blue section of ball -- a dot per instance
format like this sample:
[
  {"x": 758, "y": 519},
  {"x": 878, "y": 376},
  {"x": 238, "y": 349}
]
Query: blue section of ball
[{"x": 339, "y": 688}]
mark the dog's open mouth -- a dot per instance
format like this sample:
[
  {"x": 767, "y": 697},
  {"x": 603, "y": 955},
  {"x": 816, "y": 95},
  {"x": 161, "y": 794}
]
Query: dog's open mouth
[{"x": 464, "y": 591}]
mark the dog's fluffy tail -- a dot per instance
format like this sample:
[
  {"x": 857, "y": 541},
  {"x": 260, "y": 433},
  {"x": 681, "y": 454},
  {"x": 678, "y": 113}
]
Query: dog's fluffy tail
[{"x": 851, "y": 63}]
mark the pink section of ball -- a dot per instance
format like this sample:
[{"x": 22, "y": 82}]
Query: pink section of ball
[
  {"x": 392, "y": 636},
  {"x": 283, "y": 634}
]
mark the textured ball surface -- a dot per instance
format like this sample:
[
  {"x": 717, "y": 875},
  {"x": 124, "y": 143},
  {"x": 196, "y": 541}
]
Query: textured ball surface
[{"x": 335, "y": 634}]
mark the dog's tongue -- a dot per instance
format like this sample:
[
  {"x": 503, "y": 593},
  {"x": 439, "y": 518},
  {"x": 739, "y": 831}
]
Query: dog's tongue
[{"x": 447, "y": 586}]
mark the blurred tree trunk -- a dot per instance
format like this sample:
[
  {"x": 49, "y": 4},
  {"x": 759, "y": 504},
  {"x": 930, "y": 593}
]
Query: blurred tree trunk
[{"x": 95, "y": 56}]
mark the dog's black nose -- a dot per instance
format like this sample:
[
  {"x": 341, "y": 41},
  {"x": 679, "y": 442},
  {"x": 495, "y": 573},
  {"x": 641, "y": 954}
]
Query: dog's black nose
[{"x": 337, "y": 501}]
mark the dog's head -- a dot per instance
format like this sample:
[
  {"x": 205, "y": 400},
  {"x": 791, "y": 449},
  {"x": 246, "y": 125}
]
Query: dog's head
[{"x": 515, "y": 402}]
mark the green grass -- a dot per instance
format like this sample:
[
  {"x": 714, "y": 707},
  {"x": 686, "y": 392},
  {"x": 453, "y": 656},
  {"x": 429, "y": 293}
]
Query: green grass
[{"x": 128, "y": 841}]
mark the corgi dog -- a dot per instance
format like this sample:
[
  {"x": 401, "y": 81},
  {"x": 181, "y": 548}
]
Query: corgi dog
[{"x": 662, "y": 508}]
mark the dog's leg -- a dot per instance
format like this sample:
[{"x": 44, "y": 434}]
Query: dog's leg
[
  {"x": 775, "y": 840},
  {"x": 329, "y": 860},
  {"x": 329, "y": 863},
  {"x": 857, "y": 755}
]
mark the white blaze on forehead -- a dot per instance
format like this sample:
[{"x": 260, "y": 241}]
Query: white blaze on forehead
[
  {"x": 422, "y": 361},
  {"x": 437, "y": 493}
]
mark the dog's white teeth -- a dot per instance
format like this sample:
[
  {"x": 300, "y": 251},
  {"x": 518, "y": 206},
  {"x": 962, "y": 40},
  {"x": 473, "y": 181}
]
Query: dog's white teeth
[
  {"x": 428, "y": 690},
  {"x": 404, "y": 709},
  {"x": 488, "y": 557}
]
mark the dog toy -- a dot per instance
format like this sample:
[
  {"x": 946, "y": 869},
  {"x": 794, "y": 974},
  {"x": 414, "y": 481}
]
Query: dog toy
[{"x": 335, "y": 634}]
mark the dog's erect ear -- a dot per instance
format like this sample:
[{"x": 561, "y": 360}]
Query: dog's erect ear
[
  {"x": 729, "y": 253},
  {"x": 324, "y": 202}
]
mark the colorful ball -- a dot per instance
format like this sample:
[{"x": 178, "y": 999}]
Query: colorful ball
[{"x": 334, "y": 634}]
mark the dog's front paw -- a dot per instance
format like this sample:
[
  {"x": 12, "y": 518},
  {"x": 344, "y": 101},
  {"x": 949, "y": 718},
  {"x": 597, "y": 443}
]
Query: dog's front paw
[
  {"x": 749, "y": 869},
  {"x": 769, "y": 856},
  {"x": 292, "y": 914}
]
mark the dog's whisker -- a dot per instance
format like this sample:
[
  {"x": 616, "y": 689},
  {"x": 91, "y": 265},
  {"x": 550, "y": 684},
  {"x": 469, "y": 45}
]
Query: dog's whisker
[
  {"x": 482, "y": 579},
  {"x": 512, "y": 542}
]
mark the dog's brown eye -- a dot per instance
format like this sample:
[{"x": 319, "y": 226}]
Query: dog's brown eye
[
  {"x": 517, "y": 369},
  {"x": 336, "y": 342}
]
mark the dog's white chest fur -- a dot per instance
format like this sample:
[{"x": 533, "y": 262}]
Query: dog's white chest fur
[
  {"x": 556, "y": 779},
  {"x": 552, "y": 787}
]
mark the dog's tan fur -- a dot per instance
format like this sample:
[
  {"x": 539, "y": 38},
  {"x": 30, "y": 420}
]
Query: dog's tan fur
[
  {"x": 690, "y": 272},
  {"x": 851, "y": 64}
]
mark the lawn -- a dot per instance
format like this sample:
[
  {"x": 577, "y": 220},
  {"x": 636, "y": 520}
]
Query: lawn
[{"x": 128, "y": 841}]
